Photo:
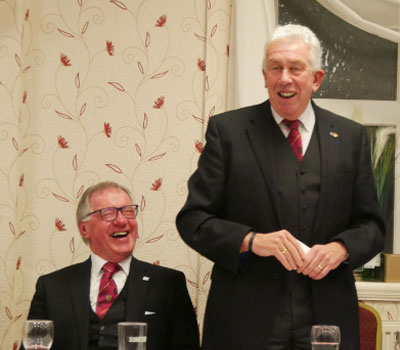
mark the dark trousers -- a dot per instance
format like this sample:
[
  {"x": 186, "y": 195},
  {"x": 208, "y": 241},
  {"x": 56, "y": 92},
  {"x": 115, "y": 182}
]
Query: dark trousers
[{"x": 294, "y": 316}]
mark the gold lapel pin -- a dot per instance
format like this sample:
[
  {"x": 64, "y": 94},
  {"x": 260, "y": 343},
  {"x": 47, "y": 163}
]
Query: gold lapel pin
[{"x": 334, "y": 134}]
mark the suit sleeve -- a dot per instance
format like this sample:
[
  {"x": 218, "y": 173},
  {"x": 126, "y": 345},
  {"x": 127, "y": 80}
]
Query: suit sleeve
[
  {"x": 38, "y": 305},
  {"x": 200, "y": 222},
  {"x": 185, "y": 334},
  {"x": 364, "y": 237}
]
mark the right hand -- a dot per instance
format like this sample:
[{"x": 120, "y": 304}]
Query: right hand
[{"x": 280, "y": 244}]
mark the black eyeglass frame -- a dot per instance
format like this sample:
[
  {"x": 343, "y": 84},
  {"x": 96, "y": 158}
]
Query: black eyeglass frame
[{"x": 120, "y": 209}]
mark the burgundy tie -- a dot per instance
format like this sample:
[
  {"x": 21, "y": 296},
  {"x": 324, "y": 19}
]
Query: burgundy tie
[
  {"x": 294, "y": 137},
  {"x": 108, "y": 289}
]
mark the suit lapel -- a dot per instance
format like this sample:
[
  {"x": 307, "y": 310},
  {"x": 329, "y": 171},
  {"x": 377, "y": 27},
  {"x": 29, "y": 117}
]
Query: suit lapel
[
  {"x": 139, "y": 280},
  {"x": 260, "y": 134},
  {"x": 80, "y": 289},
  {"x": 329, "y": 140}
]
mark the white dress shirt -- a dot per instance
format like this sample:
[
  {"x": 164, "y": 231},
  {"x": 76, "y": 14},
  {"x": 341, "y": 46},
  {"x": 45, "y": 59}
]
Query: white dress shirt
[
  {"x": 119, "y": 277},
  {"x": 306, "y": 125}
]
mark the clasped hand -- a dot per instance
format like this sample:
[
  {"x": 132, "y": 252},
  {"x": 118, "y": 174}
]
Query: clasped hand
[{"x": 316, "y": 263}]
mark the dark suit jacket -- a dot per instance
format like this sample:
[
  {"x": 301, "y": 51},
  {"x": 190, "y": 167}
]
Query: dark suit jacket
[
  {"x": 234, "y": 191},
  {"x": 63, "y": 296}
]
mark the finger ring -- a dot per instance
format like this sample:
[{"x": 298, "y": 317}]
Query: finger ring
[
  {"x": 319, "y": 266},
  {"x": 284, "y": 251}
]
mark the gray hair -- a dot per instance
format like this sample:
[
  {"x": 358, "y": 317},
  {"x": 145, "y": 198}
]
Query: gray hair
[
  {"x": 83, "y": 208},
  {"x": 297, "y": 32}
]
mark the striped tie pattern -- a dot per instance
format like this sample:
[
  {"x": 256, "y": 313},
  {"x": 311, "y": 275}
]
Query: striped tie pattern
[
  {"x": 294, "y": 137},
  {"x": 108, "y": 289}
]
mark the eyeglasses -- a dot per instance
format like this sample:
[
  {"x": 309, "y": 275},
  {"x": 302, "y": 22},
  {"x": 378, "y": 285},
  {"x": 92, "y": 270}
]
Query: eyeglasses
[{"x": 109, "y": 214}]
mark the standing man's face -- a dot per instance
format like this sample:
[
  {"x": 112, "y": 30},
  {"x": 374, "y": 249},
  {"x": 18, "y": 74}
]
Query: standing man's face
[
  {"x": 112, "y": 240},
  {"x": 289, "y": 78}
]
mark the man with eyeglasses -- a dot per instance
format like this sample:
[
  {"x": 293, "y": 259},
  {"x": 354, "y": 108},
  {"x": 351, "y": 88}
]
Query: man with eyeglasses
[{"x": 87, "y": 300}]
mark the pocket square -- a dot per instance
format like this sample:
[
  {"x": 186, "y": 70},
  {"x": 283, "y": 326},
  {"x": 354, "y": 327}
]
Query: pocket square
[{"x": 148, "y": 313}]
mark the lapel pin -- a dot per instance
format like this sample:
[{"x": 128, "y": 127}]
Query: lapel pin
[
  {"x": 146, "y": 278},
  {"x": 334, "y": 134}
]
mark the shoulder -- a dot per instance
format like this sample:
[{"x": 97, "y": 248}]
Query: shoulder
[
  {"x": 241, "y": 115},
  {"x": 159, "y": 271},
  {"x": 326, "y": 116},
  {"x": 63, "y": 273}
]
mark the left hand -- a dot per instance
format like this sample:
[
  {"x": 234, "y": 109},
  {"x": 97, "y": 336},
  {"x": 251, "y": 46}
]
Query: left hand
[{"x": 321, "y": 259}]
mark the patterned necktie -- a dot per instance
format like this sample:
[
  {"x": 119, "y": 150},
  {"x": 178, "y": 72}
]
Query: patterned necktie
[
  {"x": 108, "y": 289},
  {"x": 294, "y": 137}
]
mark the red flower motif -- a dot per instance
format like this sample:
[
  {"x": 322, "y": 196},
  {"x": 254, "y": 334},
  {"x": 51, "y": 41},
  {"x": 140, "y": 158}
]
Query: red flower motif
[
  {"x": 18, "y": 264},
  {"x": 110, "y": 48},
  {"x": 201, "y": 64},
  {"x": 159, "y": 102},
  {"x": 227, "y": 50},
  {"x": 21, "y": 180},
  {"x": 26, "y": 14},
  {"x": 62, "y": 142},
  {"x": 107, "y": 129},
  {"x": 15, "y": 345},
  {"x": 156, "y": 185},
  {"x": 161, "y": 21},
  {"x": 199, "y": 146},
  {"x": 60, "y": 226},
  {"x": 65, "y": 60},
  {"x": 24, "y": 97}
]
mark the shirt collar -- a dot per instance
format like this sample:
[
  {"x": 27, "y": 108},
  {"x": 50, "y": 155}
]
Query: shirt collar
[
  {"x": 98, "y": 262},
  {"x": 307, "y": 119}
]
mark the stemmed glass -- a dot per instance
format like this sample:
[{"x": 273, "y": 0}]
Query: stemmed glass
[
  {"x": 38, "y": 334},
  {"x": 325, "y": 337}
]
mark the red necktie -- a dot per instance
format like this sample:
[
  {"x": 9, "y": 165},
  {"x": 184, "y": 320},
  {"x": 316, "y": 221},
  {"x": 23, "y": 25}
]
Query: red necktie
[
  {"x": 108, "y": 289},
  {"x": 294, "y": 137}
]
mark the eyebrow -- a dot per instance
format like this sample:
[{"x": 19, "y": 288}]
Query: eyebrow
[{"x": 289, "y": 61}]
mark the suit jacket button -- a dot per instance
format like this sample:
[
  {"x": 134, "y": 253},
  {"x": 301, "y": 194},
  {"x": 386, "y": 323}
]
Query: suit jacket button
[{"x": 275, "y": 276}]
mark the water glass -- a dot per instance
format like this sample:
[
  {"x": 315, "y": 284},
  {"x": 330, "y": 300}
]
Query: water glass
[
  {"x": 38, "y": 334},
  {"x": 132, "y": 335},
  {"x": 325, "y": 337}
]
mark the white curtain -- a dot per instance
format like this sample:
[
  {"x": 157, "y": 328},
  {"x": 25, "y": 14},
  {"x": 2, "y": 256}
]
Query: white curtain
[
  {"x": 252, "y": 23},
  {"x": 378, "y": 17}
]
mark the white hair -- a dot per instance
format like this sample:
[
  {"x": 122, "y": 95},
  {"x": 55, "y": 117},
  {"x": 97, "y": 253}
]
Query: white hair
[{"x": 297, "y": 32}]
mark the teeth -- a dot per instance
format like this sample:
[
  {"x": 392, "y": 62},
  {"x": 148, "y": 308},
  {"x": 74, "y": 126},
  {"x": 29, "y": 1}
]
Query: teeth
[
  {"x": 119, "y": 234},
  {"x": 287, "y": 94}
]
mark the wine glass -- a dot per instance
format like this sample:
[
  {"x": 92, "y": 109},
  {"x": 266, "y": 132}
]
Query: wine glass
[
  {"x": 38, "y": 334},
  {"x": 325, "y": 337}
]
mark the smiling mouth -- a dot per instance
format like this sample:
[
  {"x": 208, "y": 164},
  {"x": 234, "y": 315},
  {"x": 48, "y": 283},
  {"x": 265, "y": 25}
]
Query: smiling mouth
[
  {"x": 119, "y": 234},
  {"x": 286, "y": 94}
]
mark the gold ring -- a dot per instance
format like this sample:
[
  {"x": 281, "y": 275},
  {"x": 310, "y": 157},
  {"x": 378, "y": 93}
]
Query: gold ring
[
  {"x": 284, "y": 251},
  {"x": 319, "y": 266}
]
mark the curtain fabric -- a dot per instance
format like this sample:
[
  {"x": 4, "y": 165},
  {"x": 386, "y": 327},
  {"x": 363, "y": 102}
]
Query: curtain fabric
[
  {"x": 378, "y": 17},
  {"x": 91, "y": 91}
]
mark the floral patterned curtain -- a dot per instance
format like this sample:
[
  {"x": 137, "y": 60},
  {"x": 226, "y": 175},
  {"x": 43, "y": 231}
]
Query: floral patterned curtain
[{"x": 102, "y": 90}]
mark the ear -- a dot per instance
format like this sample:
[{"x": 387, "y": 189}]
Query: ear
[
  {"x": 83, "y": 229},
  {"x": 318, "y": 78},
  {"x": 265, "y": 78}
]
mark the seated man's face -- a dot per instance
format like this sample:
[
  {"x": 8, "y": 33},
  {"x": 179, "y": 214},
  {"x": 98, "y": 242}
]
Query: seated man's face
[{"x": 112, "y": 240}]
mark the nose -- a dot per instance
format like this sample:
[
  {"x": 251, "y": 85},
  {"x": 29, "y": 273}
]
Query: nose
[
  {"x": 120, "y": 218},
  {"x": 285, "y": 76}
]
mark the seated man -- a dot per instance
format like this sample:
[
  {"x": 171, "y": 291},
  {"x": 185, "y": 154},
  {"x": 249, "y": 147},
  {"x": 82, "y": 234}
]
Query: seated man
[{"x": 86, "y": 303}]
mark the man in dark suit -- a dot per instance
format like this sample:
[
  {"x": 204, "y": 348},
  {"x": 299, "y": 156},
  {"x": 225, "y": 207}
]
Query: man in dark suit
[
  {"x": 84, "y": 308},
  {"x": 285, "y": 223}
]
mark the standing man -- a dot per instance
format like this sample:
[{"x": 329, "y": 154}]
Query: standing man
[
  {"x": 87, "y": 300},
  {"x": 271, "y": 176}
]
